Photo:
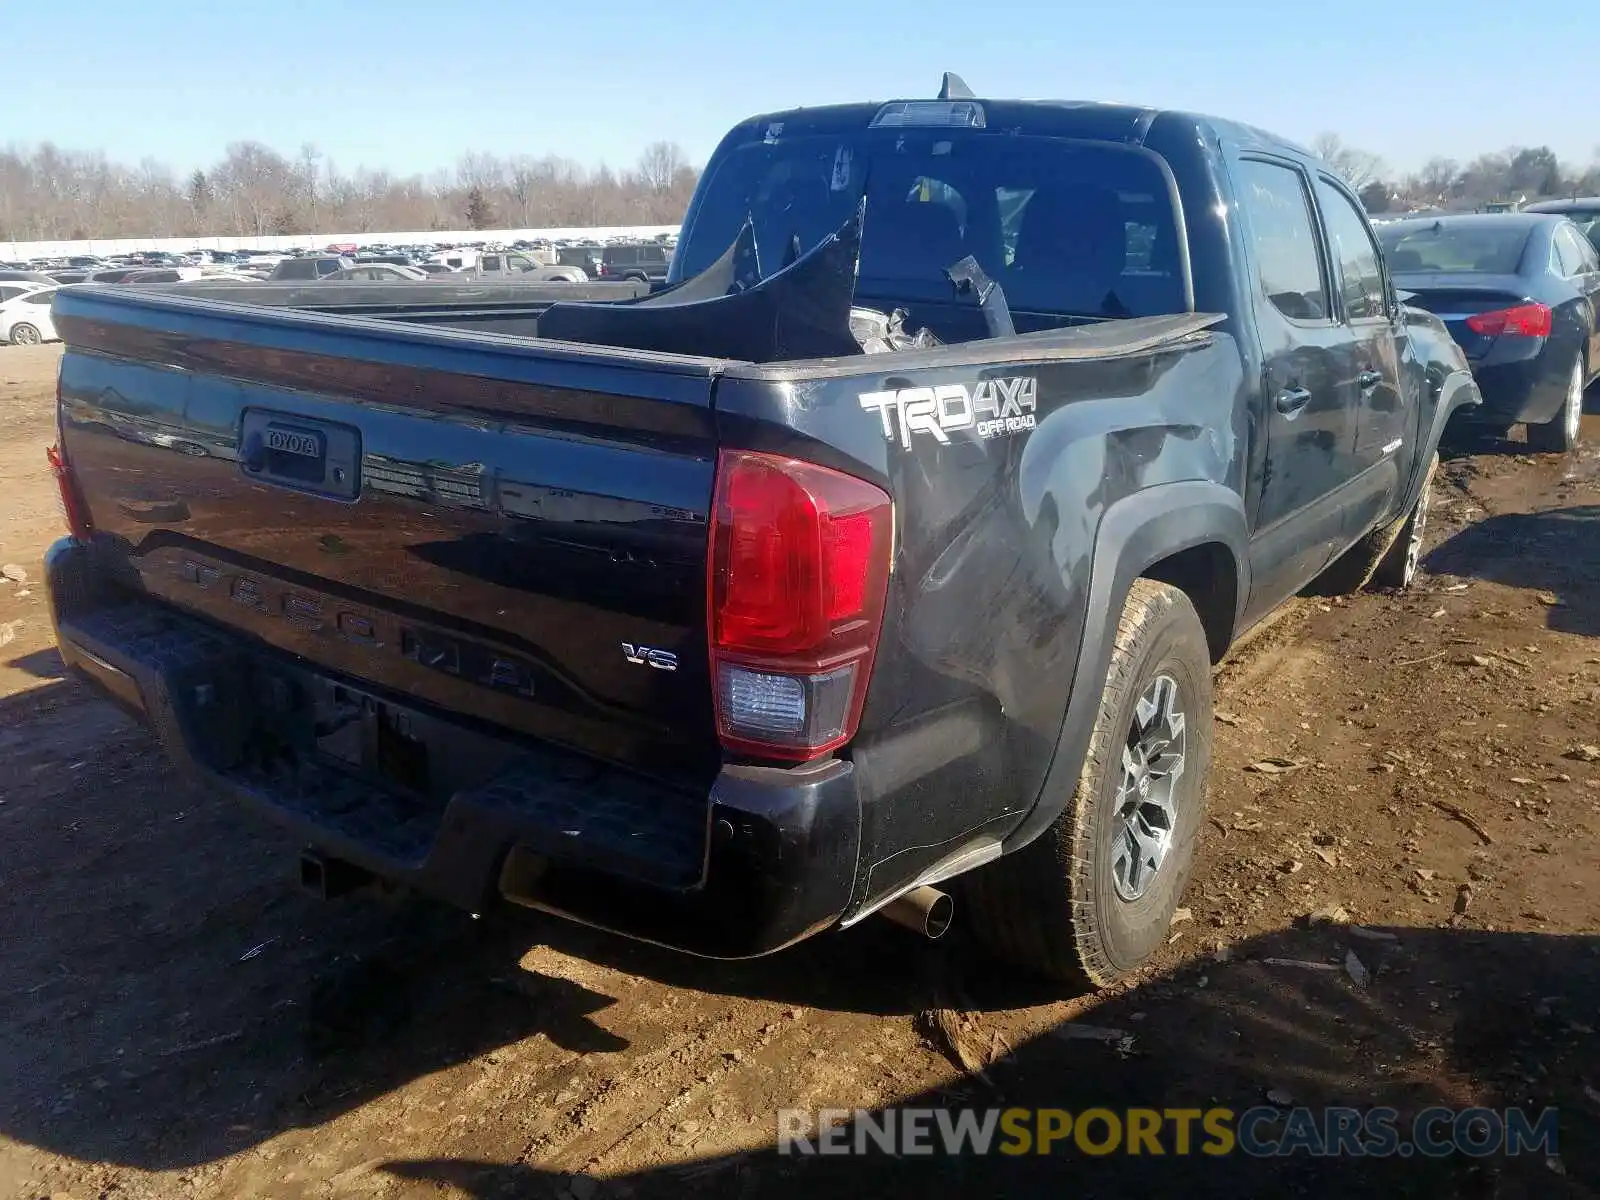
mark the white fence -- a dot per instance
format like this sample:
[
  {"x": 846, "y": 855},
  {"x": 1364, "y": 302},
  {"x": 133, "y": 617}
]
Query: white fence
[{"x": 23, "y": 251}]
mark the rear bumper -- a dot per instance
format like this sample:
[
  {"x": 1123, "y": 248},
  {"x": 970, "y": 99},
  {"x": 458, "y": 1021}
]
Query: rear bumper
[
  {"x": 1529, "y": 389},
  {"x": 761, "y": 859}
]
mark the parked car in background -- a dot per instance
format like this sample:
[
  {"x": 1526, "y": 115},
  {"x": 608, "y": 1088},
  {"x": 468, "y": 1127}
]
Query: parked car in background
[
  {"x": 519, "y": 266},
  {"x": 74, "y": 276},
  {"x": 1582, "y": 211},
  {"x": 163, "y": 275},
  {"x": 586, "y": 258},
  {"x": 380, "y": 272},
  {"x": 1518, "y": 293},
  {"x": 25, "y": 319},
  {"x": 311, "y": 266},
  {"x": 111, "y": 275},
  {"x": 648, "y": 262},
  {"x": 19, "y": 275},
  {"x": 456, "y": 258}
]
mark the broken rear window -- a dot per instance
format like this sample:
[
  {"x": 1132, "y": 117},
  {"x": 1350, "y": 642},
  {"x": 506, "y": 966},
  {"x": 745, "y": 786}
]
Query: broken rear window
[{"x": 1069, "y": 228}]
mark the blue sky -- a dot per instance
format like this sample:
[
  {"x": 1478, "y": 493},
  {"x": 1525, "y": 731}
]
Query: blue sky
[{"x": 409, "y": 85}]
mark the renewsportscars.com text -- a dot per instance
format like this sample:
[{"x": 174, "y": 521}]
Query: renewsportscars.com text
[{"x": 1262, "y": 1132}]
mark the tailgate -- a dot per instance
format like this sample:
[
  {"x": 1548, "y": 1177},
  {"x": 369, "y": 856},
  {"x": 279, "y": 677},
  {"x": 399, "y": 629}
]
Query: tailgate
[{"x": 512, "y": 531}]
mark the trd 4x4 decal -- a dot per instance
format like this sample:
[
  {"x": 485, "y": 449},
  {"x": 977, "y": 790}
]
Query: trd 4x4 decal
[{"x": 993, "y": 407}]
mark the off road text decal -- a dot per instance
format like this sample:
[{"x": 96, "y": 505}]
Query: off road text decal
[{"x": 994, "y": 407}]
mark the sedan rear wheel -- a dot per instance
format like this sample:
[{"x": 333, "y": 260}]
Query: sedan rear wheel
[
  {"x": 1561, "y": 433},
  {"x": 23, "y": 334}
]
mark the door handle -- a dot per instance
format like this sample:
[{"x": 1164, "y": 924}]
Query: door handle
[
  {"x": 1292, "y": 400},
  {"x": 1369, "y": 380}
]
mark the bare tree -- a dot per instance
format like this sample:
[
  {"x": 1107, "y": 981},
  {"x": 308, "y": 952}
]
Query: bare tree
[
  {"x": 477, "y": 209},
  {"x": 1356, "y": 167},
  {"x": 1437, "y": 179},
  {"x": 659, "y": 164},
  {"x": 48, "y": 192},
  {"x": 310, "y": 158}
]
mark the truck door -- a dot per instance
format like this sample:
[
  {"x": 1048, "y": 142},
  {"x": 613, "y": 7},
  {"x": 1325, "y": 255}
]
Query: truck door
[
  {"x": 1375, "y": 342},
  {"x": 1305, "y": 410}
]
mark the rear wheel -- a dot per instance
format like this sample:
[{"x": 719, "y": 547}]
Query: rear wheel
[
  {"x": 1561, "y": 433},
  {"x": 1398, "y": 567},
  {"x": 1387, "y": 557},
  {"x": 1092, "y": 897},
  {"x": 23, "y": 334}
]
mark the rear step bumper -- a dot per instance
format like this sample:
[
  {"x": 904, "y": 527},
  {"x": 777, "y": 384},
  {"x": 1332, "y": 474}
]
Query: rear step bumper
[{"x": 761, "y": 860}]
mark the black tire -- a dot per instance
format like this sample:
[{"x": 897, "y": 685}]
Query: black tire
[
  {"x": 24, "y": 334},
  {"x": 1386, "y": 558},
  {"x": 1560, "y": 433},
  {"x": 1057, "y": 906}
]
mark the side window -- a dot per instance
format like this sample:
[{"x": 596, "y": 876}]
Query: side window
[
  {"x": 1569, "y": 250},
  {"x": 1278, "y": 208},
  {"x": 519, "y": 262},
  {"x": 1355, "y": 255},
  {"x": 40, "y": 297},
  {"x": 10, "y": 293}
]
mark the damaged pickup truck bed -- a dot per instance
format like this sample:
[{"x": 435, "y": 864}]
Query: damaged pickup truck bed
[{"x": 897, "y": 535}]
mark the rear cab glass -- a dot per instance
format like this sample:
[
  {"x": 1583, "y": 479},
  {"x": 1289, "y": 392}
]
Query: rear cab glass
[{"x": 1071, "y": 229}]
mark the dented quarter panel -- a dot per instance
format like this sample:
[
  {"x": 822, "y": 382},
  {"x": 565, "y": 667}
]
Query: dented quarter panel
[{"x": 995, "y": 538}]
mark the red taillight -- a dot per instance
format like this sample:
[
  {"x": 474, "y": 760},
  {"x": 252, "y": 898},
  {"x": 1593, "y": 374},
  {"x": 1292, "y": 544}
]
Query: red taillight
[
  {"x": 1525, "y": 320},
  {"x": 72, "y": 506},
  {"x": 798, "y": 574}
]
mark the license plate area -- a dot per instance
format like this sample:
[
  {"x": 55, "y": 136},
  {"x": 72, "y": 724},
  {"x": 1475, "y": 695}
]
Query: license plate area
[
  {"x": 393, "y": 745},
  {"x": 378, "y": 741},
  {"x": 301, "y": 453}
]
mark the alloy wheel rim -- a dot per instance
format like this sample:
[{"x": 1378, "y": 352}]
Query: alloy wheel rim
[
  {"x": 1153, "y": 759},
  {"x": 1574, "y": 413},
  {"x": 1419, "y": 527},
  {"x": 25, "y": 335}
]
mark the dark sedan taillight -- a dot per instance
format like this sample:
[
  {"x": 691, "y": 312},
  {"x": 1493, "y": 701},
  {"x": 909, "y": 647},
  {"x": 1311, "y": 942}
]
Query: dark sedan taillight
[{"x": 1523, "y": 320}]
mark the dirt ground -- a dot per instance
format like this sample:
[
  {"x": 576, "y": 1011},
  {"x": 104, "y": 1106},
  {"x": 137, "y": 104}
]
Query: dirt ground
[{"x": 177, "y": 1020}]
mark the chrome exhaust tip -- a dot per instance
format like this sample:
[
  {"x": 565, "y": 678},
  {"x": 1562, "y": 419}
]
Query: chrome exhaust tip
[{"x": 924, "y": 910}]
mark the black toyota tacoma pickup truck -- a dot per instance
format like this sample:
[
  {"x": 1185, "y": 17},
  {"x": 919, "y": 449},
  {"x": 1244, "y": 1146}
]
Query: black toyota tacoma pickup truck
[{"x": 893, "y": 540}]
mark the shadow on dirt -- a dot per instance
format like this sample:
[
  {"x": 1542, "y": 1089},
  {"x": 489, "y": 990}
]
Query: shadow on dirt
[
  {"x": 1451, "y": 1018},
  {"x": 166, "y": 1000},
  {"x": 176, "y": 1064},
  {"x": 1556, "y": 551},
  {"x": 41, "y": 664}
]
